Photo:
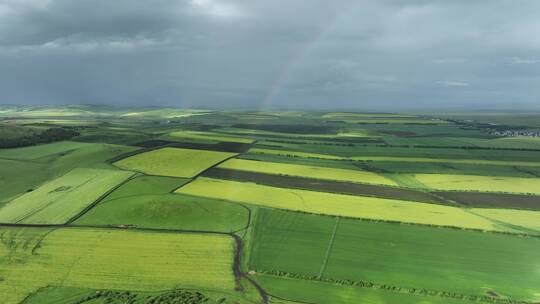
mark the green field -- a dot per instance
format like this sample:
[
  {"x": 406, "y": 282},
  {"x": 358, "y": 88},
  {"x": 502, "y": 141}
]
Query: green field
[
  {"x": 145, "y": 202},
  {"x": 367, "y": 158},
  {"x": 305, "y": 291},
  {"x": 21, "y": 175},
  {"x": 336, "y": 204},
  {"x": 208, "y": 137},
  {"x": 33, "y": 258},
  {"x": 175, "y": 162},
  {"x": 316, "y": 248},
  {"x": 37, "y": 152},
  {"x": 294, "y": 153},
  {"x": 63, "y": 198},
  {"x": 357, "y": 176}
]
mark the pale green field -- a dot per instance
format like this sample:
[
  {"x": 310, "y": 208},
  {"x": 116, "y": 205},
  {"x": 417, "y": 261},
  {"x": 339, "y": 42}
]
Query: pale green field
[
  {"x": 480, "y": 183},
  {"x": 60, "y": 199},
  {"x": 39, "y": 151},
  {"x": 248, "y": 132},
  {"x": 395, "y": 121},
  {"x": 446, "y": 160},
  {"x": 174, "y": 162},
  {"x": 32, "y": 258},
  {"x": 336, "y": 204},
  {"x": 294, "y": 153},
  {"x": 356, "y": 176},
  {"x": 349, "y": 115},
  {"x": 396, "y": 158},
  {"x": 530, "y": 220},
  {"x": 208, "y": 136}
]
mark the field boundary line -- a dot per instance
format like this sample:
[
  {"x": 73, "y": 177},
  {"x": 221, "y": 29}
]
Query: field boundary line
[
  {"x": 100, "y": 199},
  {"x": 512, "y": 234},
  {"x": 329, "y": 248},
  {"x": 213, "y": 166}
]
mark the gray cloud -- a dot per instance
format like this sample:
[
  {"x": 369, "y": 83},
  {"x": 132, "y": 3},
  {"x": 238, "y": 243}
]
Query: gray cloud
[{"x": 305, "y": 53}]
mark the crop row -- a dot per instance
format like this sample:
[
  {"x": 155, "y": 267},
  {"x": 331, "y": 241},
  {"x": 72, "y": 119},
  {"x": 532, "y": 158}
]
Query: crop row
[{"x": 392, "y": 288}]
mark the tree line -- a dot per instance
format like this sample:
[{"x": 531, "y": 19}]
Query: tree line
[{"x": 47, "y": 136}]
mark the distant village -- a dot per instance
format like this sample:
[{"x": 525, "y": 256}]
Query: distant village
[{"x": 514, "y": 133}]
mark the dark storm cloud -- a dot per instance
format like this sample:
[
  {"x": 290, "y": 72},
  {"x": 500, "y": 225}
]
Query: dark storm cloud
[{"x": 280, "y": 53}]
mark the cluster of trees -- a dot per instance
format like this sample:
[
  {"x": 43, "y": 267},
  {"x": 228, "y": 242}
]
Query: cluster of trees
[
  {"x": 47, "y": 136},
  {"x": 418, "y": 291},
  {"x": 173, "y": 297},
  {"x": 179, "y": 297}
]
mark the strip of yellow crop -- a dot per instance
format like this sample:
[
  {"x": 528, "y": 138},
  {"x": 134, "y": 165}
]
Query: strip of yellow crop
[
  {"x": 335, "y": 204},
  {"x": 522, "y": 218},
  {"x": 480, "y": 183},
  {"x": 357, "y": 176}
]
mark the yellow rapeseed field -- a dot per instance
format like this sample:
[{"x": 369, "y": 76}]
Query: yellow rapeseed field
[
  {"x": 335, "y": 204},
  {"x": 356, "y": 176}
]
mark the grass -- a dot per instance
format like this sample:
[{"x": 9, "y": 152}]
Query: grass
[
  {"x": 39, "y": 151},
  {"x": 404, "y": 256},
  {"x": 19, "y": 176},
  {"x": 358, "y": 176},
  {"x": 168, "y": 211},
  {"x": 60, "y": 199},
  {"x": 111, "y": 259},
  {"x": 175, "y": 162},
  {"x": 208, "y": 137},
  {"x": 480, "y": 183},
  {"x": 145, "y": 202},
  {"x": 321, "y": 293},
  {"x": 335, "y": 204}
]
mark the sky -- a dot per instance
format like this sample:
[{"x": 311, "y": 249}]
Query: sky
[{"x": 298, "y": 54}]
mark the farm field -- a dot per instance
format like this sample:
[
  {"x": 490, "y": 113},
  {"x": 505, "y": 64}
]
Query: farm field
[
  {"x": 195, "y": 206},
  {"x": 37, "y": 152},
  {"x": 305, "y": 291},
  {"x": 480, "y": 183},
  {"x": 321, "y": 185},
  {"x": 394, "y": 158},
  {"x": 100, "y": 258},
  {"x": 516, "y": 219},
  {"x": 335, "y": 204},
  {"x": 467, "y": 262},
  {"x": 208, "y": 137},
  {"x": 20, "y": 175},
  {"x": 63, "y": 198},
  {"x": 358, "y": 176},
  {"x": 176, "y": 162}
]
